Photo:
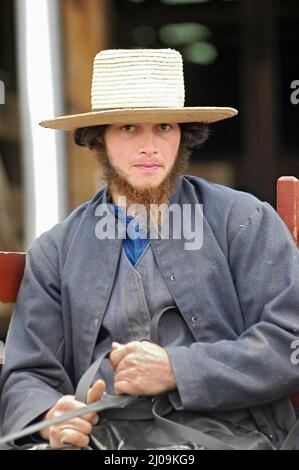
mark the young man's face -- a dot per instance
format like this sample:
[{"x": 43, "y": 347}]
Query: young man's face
[{"x": 143, "y": 154}]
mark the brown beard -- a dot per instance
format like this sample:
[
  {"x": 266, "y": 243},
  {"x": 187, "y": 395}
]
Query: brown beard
[{"x": 146, "y": 196}]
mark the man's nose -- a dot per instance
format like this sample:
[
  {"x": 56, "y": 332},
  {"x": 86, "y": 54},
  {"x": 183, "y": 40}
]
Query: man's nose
[{"x": 148, "y": 144}]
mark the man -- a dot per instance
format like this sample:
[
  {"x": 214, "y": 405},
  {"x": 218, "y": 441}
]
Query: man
[{"x": 89, "y": 287}]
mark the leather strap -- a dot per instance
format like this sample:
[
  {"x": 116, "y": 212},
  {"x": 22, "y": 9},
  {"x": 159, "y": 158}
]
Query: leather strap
[
  {"x": 183, "y": 432},
  {"x": 88, "y": 377},
  {"x": 154, "y": 328}
]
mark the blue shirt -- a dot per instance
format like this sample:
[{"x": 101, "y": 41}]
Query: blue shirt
[{"x": 134, "y": 247}]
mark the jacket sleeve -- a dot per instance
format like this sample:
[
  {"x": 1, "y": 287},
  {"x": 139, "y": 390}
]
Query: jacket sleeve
[
  {"x": 257, "y": 367},
  {"x": 33, "y": 377}
]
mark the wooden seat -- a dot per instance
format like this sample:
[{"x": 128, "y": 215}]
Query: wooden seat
[
  {"x": 11, "y": 273},
  {"x": 12, "y": 264},
  {"x": 288, "y": 208},
  {"x": 288, "y": 204}
]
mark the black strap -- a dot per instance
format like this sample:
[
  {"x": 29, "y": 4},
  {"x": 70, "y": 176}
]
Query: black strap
[
  {"x": 88, "y": 377},
  {"x": 185, "y": 433},
  {"x": 154, "y": 328}
]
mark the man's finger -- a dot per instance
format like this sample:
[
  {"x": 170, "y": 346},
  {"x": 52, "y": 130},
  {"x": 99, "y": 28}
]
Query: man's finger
[
  {"x": 124, "y": 386},
  {"x": 95, "y": 393},
  {"x": 117, "y": 355},
  {"x": 73, "y": 437},
  {"x": 78, "y": 424}
]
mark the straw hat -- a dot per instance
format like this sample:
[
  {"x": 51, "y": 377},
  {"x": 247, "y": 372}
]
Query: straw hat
[{"x": 138, "y": 85}]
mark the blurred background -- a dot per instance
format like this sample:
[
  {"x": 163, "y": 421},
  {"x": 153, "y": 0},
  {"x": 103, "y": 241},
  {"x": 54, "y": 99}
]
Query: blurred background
[{"x": 239, "y": 53}]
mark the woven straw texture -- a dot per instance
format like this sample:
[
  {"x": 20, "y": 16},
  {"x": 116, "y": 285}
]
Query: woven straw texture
[{"x": 138, "y": 85}]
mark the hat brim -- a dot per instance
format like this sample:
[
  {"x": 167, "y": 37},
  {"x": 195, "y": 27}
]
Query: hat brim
[{"x": 133, "y": 115}]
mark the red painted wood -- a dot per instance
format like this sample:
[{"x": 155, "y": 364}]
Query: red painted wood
[
  {"x": 11, "y": 273},
  {"x": 288, "y": 209},
  {"x": 288, "y": 203}
]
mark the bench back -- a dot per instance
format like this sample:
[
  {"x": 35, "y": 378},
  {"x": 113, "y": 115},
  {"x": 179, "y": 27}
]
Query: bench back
[{"x": 11, "y": 273}]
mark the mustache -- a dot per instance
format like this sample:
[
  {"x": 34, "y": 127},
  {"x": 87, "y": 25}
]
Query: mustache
[{"x": 149, "y": 161}]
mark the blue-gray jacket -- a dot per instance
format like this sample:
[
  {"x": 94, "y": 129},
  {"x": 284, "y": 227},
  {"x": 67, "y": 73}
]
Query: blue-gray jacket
[{"x": 239, "y": 295}]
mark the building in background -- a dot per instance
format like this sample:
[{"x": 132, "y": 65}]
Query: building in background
[{"x": 240, "y": 53}]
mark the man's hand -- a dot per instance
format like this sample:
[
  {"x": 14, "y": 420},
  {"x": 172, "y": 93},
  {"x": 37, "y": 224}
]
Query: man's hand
[
  {"x": 75, "y": 431},
  {"x": 141, "y": 368}
]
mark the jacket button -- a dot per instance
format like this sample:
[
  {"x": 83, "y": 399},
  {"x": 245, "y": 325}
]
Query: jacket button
[
  {"x": 172, "y": 277},
  {"x": 194, "y": 319}
]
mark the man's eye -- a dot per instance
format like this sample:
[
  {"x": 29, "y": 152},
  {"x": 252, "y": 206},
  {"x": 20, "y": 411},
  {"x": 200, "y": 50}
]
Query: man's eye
[
  {"x": 128, "y": 128},
  {"x": 165, "y": 127}
]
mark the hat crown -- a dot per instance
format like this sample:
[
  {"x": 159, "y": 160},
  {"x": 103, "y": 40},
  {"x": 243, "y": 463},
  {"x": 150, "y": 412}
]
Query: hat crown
[{"x": 137, "y": 78}]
